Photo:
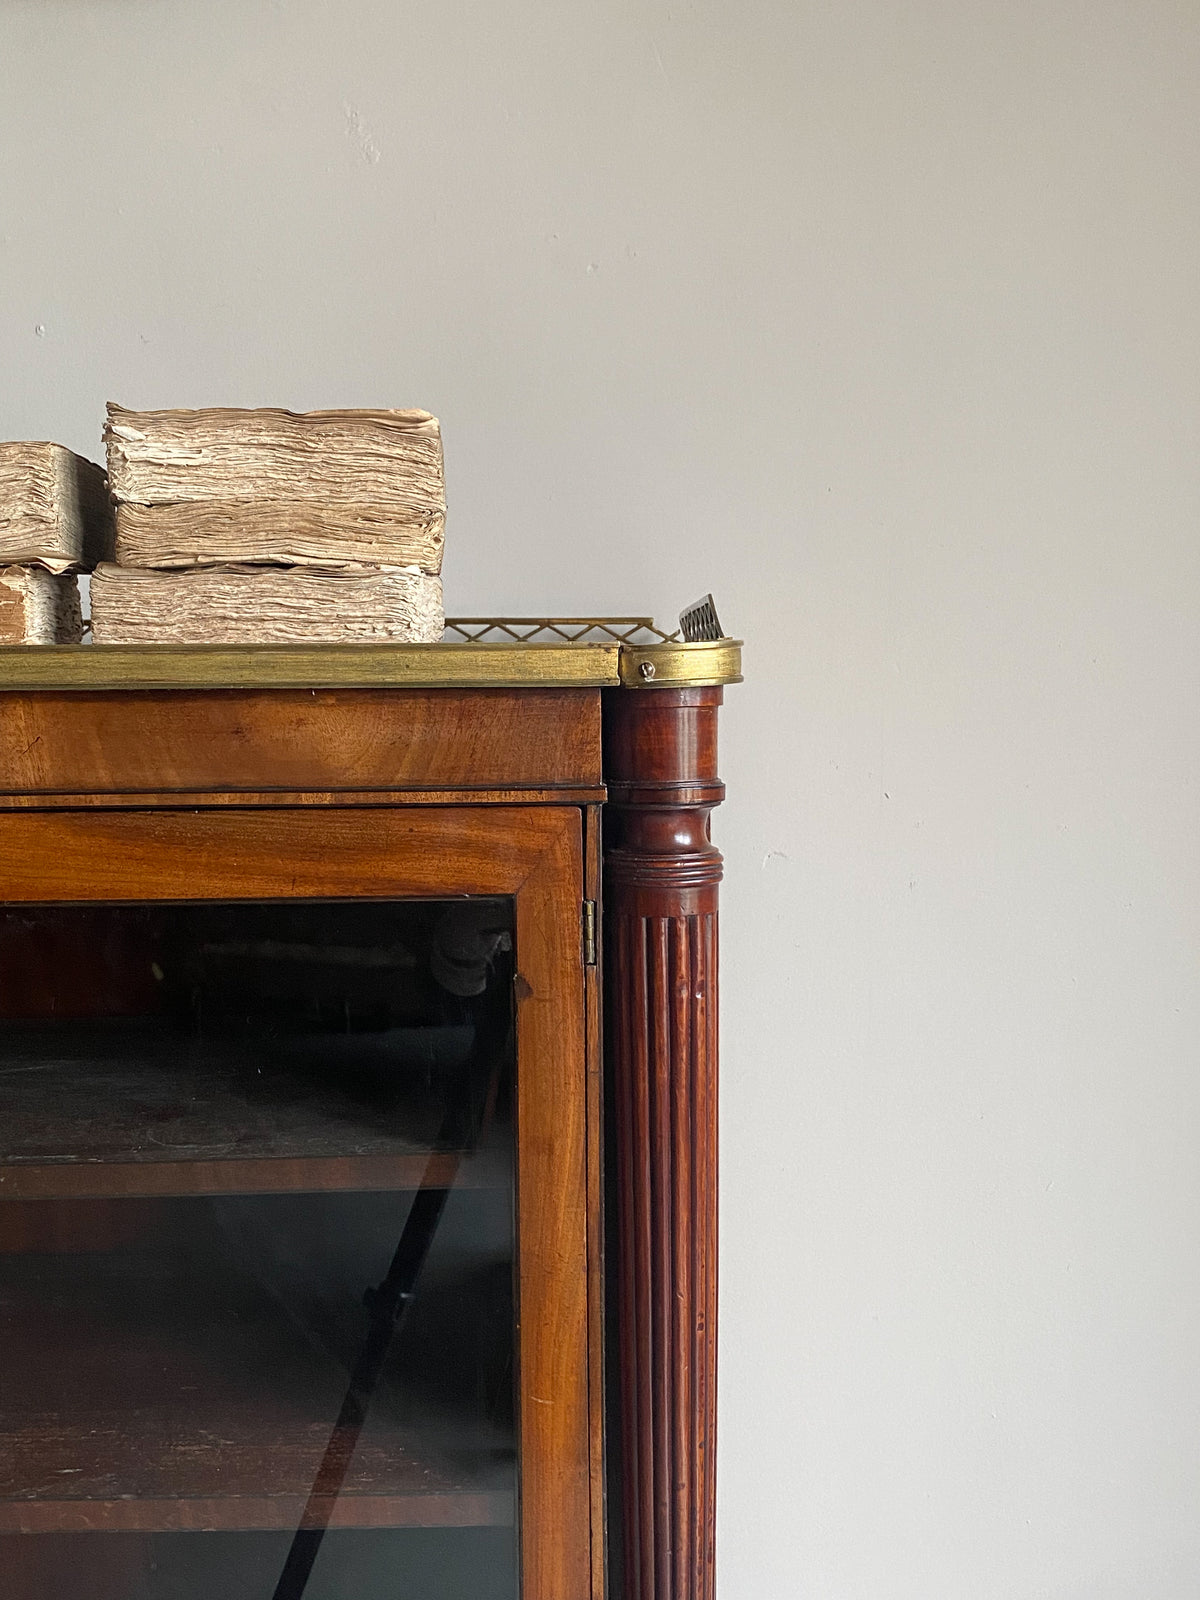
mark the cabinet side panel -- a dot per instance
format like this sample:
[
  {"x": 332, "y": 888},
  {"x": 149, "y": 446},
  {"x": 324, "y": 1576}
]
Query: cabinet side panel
[{"x": 596, "y": 1202}]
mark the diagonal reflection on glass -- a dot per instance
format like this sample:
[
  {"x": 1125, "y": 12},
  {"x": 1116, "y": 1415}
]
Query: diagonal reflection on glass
[{"x": 387, "y": 1305}]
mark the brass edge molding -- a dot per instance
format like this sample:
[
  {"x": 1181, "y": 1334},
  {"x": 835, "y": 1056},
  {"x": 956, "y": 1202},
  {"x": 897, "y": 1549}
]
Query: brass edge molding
[
  {"x": 681, "y": 666},
  {"x": 316, "y": 666},
  {"x": 448, "y": 665}
]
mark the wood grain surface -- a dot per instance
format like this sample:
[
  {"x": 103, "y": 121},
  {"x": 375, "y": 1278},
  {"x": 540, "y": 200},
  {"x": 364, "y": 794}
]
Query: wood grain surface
[{"x": 299, "y": 739}]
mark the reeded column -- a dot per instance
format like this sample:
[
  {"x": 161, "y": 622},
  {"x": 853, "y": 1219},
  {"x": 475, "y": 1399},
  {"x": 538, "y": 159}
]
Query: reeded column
[{"x": 660, "y": 910}]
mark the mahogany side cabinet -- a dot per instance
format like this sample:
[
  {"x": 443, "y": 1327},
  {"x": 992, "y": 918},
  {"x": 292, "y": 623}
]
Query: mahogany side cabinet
[{"x": 358, "y": 1041}]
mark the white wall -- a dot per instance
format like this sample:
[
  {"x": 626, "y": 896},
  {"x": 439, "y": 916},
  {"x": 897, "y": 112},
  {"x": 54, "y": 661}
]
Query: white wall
[{"x": 882, "y": 320}]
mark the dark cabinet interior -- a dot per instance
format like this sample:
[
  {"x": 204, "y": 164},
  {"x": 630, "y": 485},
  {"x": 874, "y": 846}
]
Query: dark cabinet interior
[{"x": 229, "y": 1134}]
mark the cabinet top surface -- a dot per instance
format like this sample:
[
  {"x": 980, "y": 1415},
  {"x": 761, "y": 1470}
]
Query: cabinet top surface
[{"x": 516, "y": 653}]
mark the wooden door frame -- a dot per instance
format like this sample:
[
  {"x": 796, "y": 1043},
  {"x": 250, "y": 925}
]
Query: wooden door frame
[{"x": 533, "y": 854}]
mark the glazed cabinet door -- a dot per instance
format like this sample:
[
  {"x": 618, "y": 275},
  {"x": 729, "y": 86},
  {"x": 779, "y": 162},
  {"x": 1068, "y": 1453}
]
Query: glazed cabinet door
[{"x": 293, "y": 1206}]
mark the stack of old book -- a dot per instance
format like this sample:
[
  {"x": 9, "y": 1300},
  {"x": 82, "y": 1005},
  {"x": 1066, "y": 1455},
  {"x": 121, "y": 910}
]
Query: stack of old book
[
  {"x": 55, "y": 520},
  {"x": 251, "y": 527}
]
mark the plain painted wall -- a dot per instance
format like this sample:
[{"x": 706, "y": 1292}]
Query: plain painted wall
[{"x": 882, "y": 321}]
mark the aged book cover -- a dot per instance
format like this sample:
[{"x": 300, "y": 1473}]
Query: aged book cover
[
  {"x": 325, "y": 488},
  {"x": 264, "y": 605},
  {"x": 54, "y": 507},
  {"x": 39, "y": 607}
]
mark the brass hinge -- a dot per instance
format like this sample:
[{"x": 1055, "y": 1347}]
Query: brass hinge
[{"x": 589, "y": 933}]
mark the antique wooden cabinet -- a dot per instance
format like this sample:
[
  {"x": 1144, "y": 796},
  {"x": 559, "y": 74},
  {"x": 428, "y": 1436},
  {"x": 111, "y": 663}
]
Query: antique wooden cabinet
[{"x": 306, "y": 1126}]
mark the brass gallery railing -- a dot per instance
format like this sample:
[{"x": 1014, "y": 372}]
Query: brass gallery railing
[{"x": 476, "y": 652}]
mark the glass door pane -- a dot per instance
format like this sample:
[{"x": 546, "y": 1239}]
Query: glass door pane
[{"x": 257, "y": 1323}]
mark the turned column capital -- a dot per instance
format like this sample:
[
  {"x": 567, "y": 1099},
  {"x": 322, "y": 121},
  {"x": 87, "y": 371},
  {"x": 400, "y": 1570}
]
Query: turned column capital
[
  {"x": 660, "y": 765},
  {"x": 660, "y": 747}
]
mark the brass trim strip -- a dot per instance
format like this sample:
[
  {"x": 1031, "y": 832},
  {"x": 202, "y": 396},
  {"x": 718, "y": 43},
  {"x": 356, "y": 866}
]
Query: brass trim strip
[
  {"x": 368, "y": 666},
  {"x": 308, "y": 666}
]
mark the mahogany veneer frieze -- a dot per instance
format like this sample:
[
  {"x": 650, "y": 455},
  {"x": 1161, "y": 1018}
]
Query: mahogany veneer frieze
[{"x": 299, "y": 739}]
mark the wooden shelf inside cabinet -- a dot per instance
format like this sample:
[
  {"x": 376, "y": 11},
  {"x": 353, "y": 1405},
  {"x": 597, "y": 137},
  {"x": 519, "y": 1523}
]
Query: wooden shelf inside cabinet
[
  {"x": 119, "y": 1443},
  {"x": 121, "y": 1109},
  {"x": 409, "y": 1495}
]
